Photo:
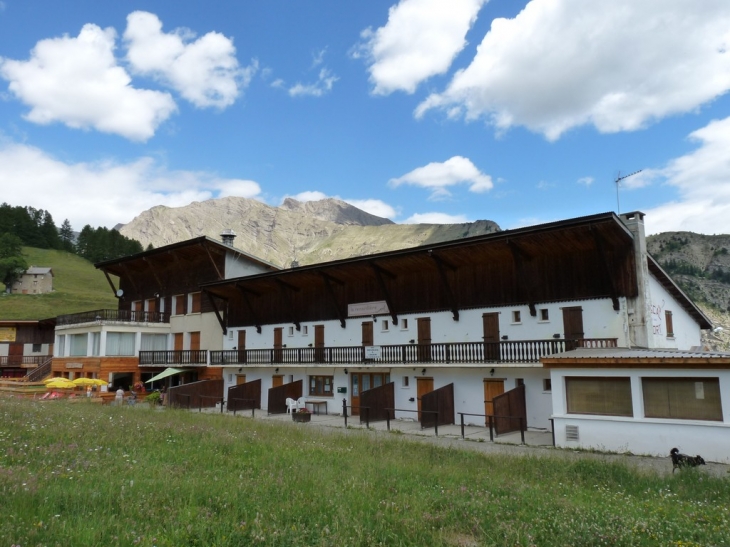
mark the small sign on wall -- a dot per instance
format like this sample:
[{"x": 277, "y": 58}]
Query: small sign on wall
[
  {"x": 367, "y": 308},
  {"x": 373, "y": 352}
]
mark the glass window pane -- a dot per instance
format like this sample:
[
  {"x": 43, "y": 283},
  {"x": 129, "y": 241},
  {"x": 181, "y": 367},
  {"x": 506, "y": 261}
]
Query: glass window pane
[
  {"x": 682, "y": 398},
  {"x": 606, "y": 396}
]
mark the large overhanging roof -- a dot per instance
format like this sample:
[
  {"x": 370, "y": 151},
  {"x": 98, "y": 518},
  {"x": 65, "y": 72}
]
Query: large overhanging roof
[
  {"x": 601, "y": 236},
  {"x": 564, "y": 236},
  {"x": 190, "y": 250}
]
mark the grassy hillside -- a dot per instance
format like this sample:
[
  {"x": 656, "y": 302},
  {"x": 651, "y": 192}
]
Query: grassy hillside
[{"x": 78, "y": 286}]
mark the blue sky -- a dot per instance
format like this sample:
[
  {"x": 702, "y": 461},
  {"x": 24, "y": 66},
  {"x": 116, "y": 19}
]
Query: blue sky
[{"x": 418, "y": 110}]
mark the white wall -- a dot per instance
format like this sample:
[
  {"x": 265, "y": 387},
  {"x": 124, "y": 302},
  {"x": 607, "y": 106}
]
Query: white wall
[
  {"x": 238, "y": 265},
  {"x": 686, "y": 331},
  {"x": 640, "y": 435},
  {"x": 468, "y": 386},
  {"x": 599, "y": 321}
]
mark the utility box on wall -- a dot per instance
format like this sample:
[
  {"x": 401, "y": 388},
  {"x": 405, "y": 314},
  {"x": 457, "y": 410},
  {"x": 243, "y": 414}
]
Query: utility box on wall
[{"x": 341, "y": 390}]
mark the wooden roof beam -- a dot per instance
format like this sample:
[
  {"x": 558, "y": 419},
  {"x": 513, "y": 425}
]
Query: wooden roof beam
[
  {"x": 245, "y": 292},
  {"x": 441, "y": 265},
  {"x": 111, "y": 284},
  {"x": 525, "y": 282},
  {"x": 147, "y": 261},
  {"x": 217, "y": 312},
  {"x": 328, "y": 280},
  {"x": 379, "y": 273},
  {"x": 288, "y": 289},
  {"x": 212, "y": 260},
  {"x": 607, "y": 269},
  {"x": 129, "y": 278}
]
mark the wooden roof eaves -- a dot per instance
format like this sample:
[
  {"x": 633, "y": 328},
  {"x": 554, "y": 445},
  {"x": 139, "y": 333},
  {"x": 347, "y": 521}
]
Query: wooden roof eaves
[
  {"x": 491, "y": 238},
  {"x": 672, "y": 288},
  {"x": 638, "y": 362},
  {"x": 188, "y": 243}
]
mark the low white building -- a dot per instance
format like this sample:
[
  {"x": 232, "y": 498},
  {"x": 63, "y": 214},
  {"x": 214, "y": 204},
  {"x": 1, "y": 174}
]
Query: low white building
[{"x": 642, "y": 401}]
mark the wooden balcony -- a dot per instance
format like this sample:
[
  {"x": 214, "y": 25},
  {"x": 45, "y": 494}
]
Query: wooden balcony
[
  {"x": 114, "y": 316},
  {"x": 190, "y": 357},
  {"x": 24, "y": 361},
  {"x": 517, "y": 351}
]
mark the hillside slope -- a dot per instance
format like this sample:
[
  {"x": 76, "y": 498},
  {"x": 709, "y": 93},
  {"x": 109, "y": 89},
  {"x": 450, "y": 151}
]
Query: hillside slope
[{"x": 78, "y": 286}]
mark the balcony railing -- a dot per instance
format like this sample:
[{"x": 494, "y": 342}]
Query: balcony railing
[
  {"x": 25, "y": 361},
  {"x": 123, "y": 316},
  {"x": 518, "y": 351},
  {"x": 190, "y": 357}
]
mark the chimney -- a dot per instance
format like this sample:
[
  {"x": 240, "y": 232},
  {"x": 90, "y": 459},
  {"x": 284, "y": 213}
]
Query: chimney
[
  {"x": 228, "y": 236},
  {"x": 638, "y": 308}
]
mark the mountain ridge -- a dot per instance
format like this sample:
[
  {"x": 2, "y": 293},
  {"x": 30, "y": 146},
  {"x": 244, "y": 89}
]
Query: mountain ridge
[{"x": 301, "y": 232}]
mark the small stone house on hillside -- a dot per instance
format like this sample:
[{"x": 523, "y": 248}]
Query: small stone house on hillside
[{"x": 34, "y": 281}]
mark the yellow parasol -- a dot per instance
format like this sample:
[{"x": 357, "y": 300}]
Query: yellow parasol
[
  {"x": 89, "y": 382},
  {"x": 60, "y": 383}
]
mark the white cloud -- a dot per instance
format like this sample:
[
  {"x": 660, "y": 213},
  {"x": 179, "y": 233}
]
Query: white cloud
[
  {"x": 438, "y": 176},
  {"x": 420, "y": 40},
  {"x": 616, "y": 65},
  {"x": 204, "y": 71},
  {"x": 586, "y": 181},
  {"x": 76, "y": 81},
  {"x": 104, "y": 193},
  {"x": 435, "y": 218},
  {"x": 310, "y": 195},
  {"x": 323, "y": 85},
  {"x": 373, "y": 206},
  {"x": 701, "y": 178}
]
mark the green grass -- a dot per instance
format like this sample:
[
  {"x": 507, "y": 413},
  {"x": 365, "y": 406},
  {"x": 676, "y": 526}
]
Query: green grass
[
  {"x": 83, "y": 474},
  {"x": 78, "y": 286}
]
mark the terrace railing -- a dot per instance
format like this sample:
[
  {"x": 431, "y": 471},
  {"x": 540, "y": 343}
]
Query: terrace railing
[
  {"x": 190, "y": 357},
  {"x": 41, "y": 371},
  {"x": 25, "y": 361},
  {"x": 119, "y": 316},
  {"x": 517, "y": 351}
]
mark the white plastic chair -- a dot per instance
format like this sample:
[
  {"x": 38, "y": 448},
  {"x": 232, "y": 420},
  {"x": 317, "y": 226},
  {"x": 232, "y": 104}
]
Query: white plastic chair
[
  {"x": 301, "y": 403},
  {"x": 291, "y": 405}
]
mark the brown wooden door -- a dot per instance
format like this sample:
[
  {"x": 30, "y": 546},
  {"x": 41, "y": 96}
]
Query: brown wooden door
[
  {"x": 241, "y": 347},
  {"x": 424, "y": 339},
  {"x": 277, "y": 380},
  {"x": 195, "y": 341},
  {"x": 319, "y": 343},
  {"x": 178, "y": 341},
  {"x": 151, "y": 306},
  {"x": 492, "y": 388},
  {"x": 490, "y": 326},
  {"x": 363, "y": 381},
  {"x": 15, "y": 354},
  {"x": 278, "y": 352},
  {"x": 367, "y": 333},
  {"x": 423, "y": 386},
  {"x": 137, "y": 311},
  {"x": 240, "y": 379},
  {"x": 572, "y": 325}
]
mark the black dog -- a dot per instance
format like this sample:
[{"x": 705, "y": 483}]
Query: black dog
[{"x": 683, "y": 460}]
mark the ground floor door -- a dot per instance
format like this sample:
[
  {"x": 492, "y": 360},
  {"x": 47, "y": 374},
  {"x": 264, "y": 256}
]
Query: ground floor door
[
  {"x": 363, "y": 381},
  {"x": 240, "y": 379},
  {"x": 423, "y": 386},
  {"x": 492, "y": 388},
  {"x": 277, "y": 380}
]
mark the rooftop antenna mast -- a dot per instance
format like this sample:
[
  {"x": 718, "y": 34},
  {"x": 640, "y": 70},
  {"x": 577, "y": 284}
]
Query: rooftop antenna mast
[{"x": 619, "y": 178}]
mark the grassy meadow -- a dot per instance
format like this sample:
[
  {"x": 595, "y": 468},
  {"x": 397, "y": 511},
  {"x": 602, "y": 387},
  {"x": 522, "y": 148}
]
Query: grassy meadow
[
  {"x": 84, "y": 474},
  {"x": 78, "y": 286}
]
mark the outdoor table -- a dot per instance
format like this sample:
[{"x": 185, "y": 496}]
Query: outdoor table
[{"x": 317, "y": 404}]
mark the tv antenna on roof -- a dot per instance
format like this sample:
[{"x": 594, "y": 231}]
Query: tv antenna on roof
[{"x": 619, "y": 178}]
